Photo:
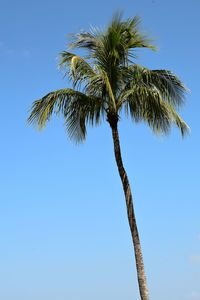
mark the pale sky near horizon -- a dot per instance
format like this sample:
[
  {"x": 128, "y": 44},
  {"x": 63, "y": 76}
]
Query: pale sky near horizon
[{"x": 64, "y": 230}]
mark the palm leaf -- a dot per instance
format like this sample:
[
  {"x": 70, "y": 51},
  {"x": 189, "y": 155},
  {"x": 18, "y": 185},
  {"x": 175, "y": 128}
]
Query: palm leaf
[
  {"x": 166, "y": 82},
  {"x": 77, "y": 109},
  {"x": 146, "y": 104},
  {"x": 76, "y": 67}
]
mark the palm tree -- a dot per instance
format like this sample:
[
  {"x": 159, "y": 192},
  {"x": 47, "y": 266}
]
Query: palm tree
[{"x": 108, "y": 84}]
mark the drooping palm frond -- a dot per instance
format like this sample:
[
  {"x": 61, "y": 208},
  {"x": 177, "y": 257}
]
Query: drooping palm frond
[
  {"x": 176, "y": 119},
  {"x": 166, "y": 82},
  {"x": 170, "y": 86},
  {"x": 77, "y": 109},
  {"x": 161, "y": 116},
  {"x": 153, "y": 96},
  {"x": 146, "y": 104}
]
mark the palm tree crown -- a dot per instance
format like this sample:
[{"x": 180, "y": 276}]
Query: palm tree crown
[{"x": 107, "y": 82}]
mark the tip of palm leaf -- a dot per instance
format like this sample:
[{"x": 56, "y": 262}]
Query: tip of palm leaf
[
  {"x": 155, "y": 48},
  {"x": 185, "y": 130}
]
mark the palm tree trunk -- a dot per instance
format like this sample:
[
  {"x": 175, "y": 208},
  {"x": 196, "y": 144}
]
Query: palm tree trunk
[{"x": 131, "y": 216}]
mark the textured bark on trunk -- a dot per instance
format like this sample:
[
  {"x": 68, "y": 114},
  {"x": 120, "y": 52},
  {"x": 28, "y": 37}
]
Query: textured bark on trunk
[{"x": 130, "y": 212}]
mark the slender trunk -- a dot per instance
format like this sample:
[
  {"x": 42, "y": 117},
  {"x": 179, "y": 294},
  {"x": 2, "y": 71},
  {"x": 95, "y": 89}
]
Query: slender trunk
[{"x": 131, "y": 216}]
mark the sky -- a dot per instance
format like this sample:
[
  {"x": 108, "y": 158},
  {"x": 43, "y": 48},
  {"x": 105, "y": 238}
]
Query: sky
[{"x": 64, "y": 230}]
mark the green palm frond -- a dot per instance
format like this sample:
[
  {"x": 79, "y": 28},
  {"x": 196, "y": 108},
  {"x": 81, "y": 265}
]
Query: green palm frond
[
  {"x": 166, "y": 82},
  {"x": 85, "y": 40},
  {"x": 126, "y": 35},
  {"x": 75, "y": 67},
  {"x": 154, "y": 94},
  {"x": 170, "y": 86},
  {"x": 134, "y": 37},
  {"x": 146, "y": 104},
  {"x": 176, "y": 119},
  {"x": 77, "y": 109}
]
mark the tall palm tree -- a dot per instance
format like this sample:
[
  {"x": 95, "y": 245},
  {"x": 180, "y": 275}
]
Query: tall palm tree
[{"x": 108, "y": 84}]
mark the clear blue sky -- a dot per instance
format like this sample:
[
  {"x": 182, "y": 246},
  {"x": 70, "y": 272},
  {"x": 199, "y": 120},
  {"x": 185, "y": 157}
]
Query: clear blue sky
[{"x": 64, "y": 231}]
